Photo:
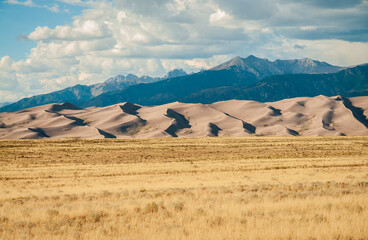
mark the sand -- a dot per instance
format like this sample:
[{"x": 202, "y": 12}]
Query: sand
[{"x": 303, "y": 116}]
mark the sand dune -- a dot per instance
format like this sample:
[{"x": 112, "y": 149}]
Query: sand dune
[{"x": 303, "y": 116}]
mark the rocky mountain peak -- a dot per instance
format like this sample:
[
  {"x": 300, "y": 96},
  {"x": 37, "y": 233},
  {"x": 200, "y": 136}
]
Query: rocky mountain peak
[
  {"x": 175, "y": 73},
  {"x": 307, "y": 62}
]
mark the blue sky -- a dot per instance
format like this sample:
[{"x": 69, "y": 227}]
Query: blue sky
[
  {"x": 50, "y": 45},
  {"x": 17, "y": 19}
]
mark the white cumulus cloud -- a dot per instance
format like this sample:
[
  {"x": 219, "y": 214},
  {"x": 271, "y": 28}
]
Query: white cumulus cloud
[{"x": 8, "y": 78}]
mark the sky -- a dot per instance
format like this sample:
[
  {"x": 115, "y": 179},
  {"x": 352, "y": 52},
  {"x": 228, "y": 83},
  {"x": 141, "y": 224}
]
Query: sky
[{"x": 49, "y": 45}]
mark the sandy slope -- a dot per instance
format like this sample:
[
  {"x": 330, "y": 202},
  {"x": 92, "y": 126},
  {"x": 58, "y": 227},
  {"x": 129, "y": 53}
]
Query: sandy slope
[{"x": 304, "y": 116}]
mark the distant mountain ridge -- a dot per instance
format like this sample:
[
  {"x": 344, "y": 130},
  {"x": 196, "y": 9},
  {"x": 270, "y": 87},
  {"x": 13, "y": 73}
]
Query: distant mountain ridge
[
  {"x": 79, "y": 94},
  {"x": 202, "y": 87},
  {"x": 248, "y": 78},
  {"x": 175, "y": 73},
  {"x": 4, "y": 104},
  {"x": 264, "y": 67},
  {"x": 119, "y": 82},
  {"x": 349, "y": 82}
]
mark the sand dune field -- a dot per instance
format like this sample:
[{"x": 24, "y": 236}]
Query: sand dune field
[{"x": 304, "y": 116}]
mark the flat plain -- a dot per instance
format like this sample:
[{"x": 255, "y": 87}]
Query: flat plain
[{"x": 185, "y": 188}]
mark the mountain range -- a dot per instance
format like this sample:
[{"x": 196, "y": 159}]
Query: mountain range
[
  {"x": 4, "y": 104},
  {"x": 79, "y": 94},
  {"x": 248, "y": 78}
]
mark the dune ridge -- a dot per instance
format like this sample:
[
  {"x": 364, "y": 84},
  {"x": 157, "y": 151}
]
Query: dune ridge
[{"x": 302, "y": 116}]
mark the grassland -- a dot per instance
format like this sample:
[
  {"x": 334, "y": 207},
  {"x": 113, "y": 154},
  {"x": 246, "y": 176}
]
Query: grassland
[{"x": 205, "y": 188}]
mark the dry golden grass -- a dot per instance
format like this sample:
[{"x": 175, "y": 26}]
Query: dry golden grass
[{"x": 205, "y": 188}]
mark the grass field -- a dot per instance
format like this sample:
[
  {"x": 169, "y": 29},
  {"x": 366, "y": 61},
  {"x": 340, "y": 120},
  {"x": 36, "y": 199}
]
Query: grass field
[{"x": 205, "y": 188}]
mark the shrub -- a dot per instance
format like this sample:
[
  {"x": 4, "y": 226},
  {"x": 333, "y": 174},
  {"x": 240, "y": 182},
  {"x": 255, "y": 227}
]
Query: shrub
[
  {"x": 151, "y": 208},
  {"x": 178, "y": 206}
]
